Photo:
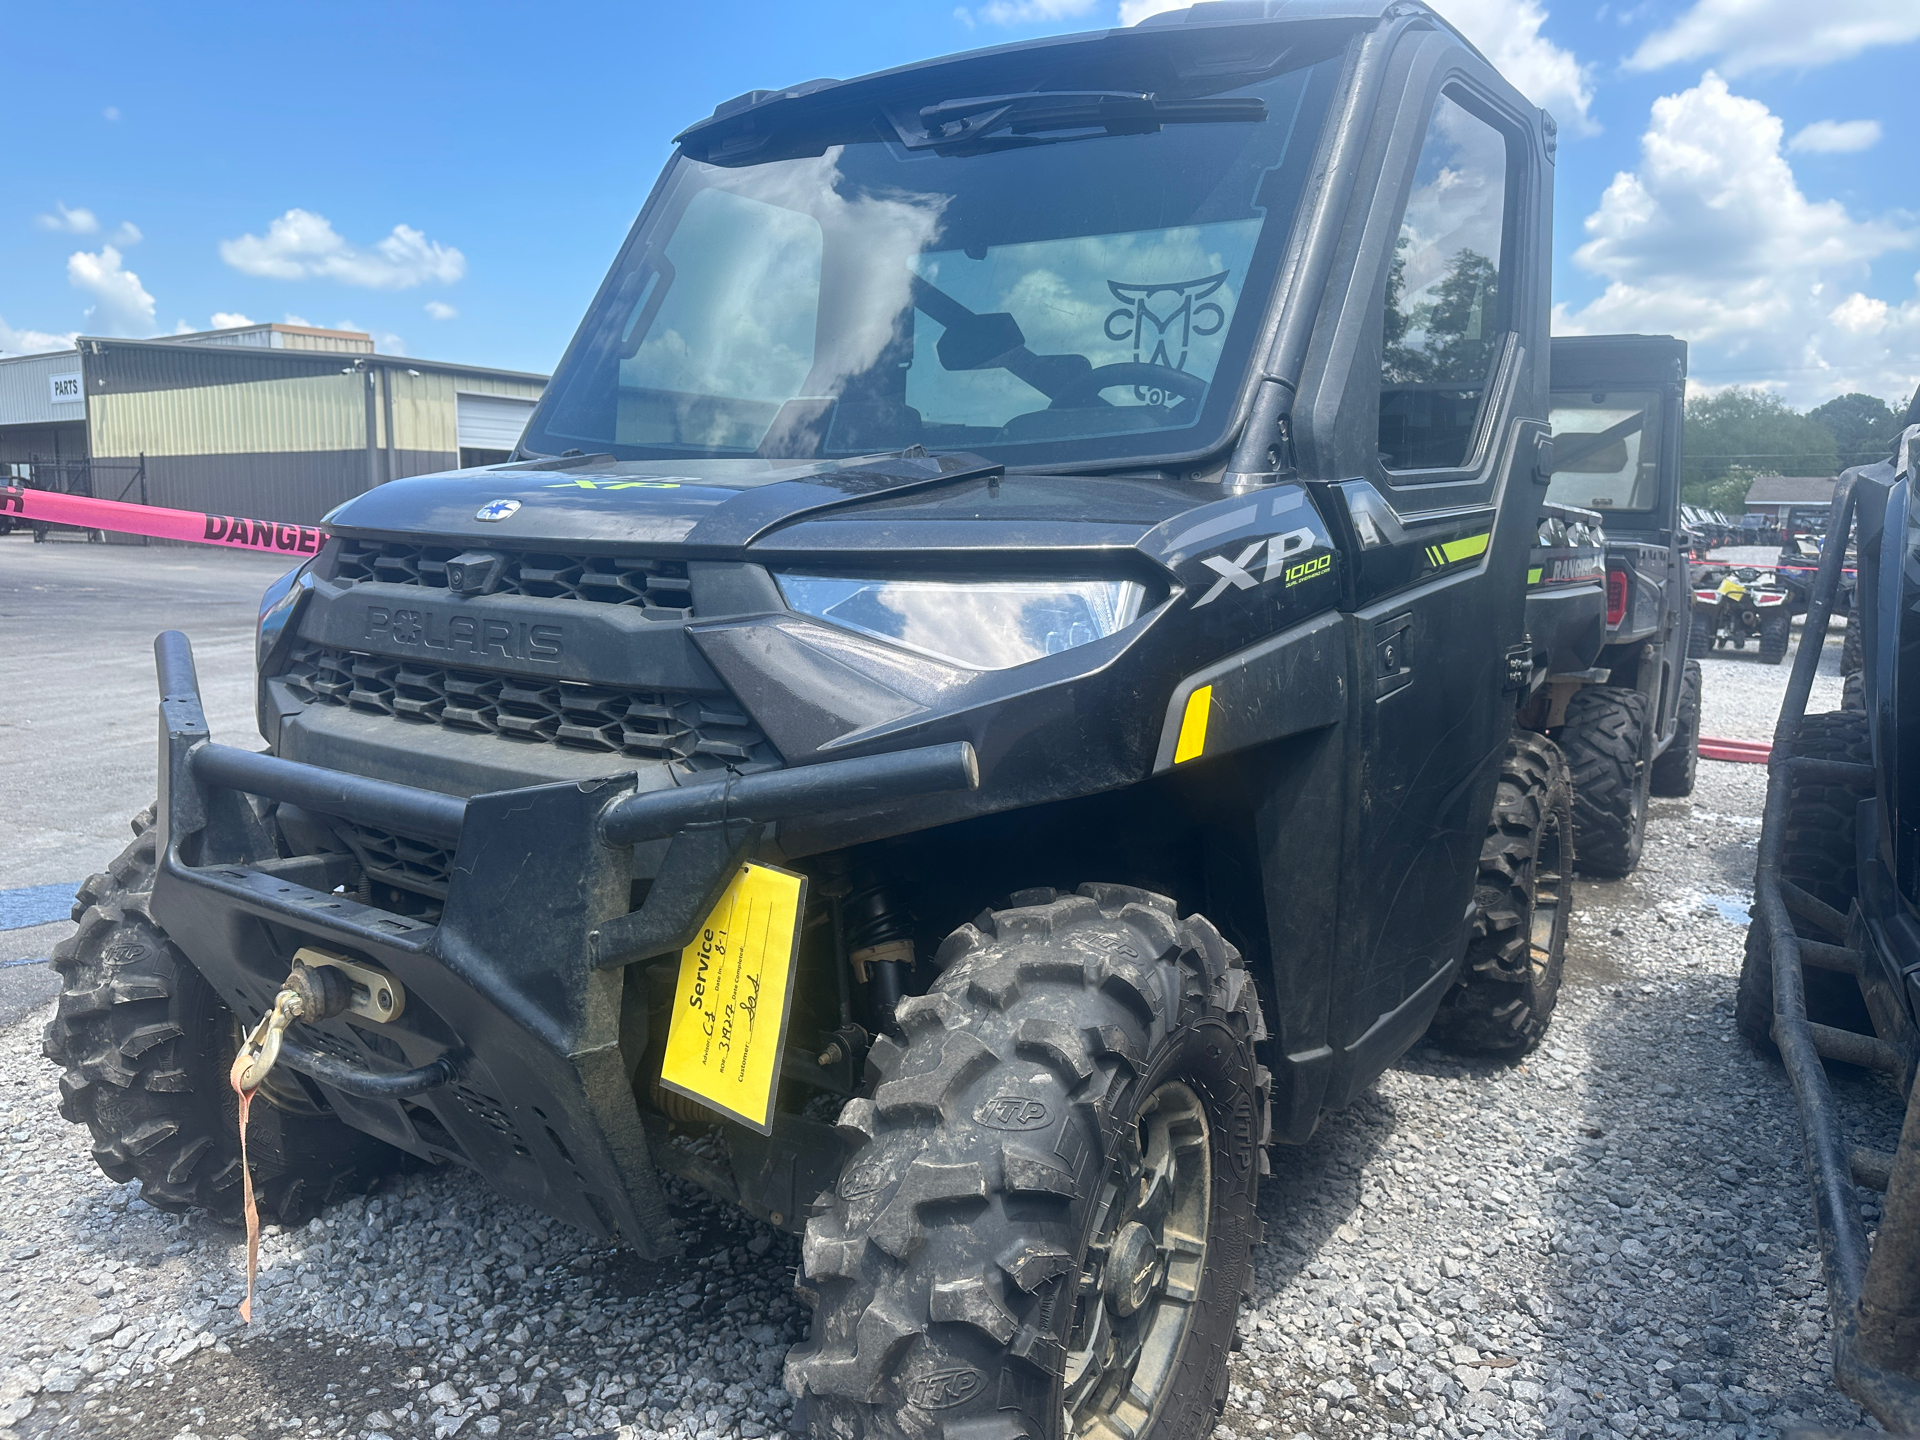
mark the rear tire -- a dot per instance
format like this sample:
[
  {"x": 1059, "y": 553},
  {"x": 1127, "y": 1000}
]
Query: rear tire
[
  {"x": 1673, "y": 768},
  {"x": 1776, "y": 634},
  {"x": 980, "y": 1252},
  {"x": 1819, "y": 857},
  {"x": 1523, "y": 897},
  {"x": 1700, "y": 636},
  {"x": 146, "y": 1045},
  {"x": 1604, "y": 740}
]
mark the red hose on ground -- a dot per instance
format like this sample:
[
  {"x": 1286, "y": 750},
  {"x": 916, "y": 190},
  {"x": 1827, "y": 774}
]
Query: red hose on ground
[{"x": 1746, "y": 752}]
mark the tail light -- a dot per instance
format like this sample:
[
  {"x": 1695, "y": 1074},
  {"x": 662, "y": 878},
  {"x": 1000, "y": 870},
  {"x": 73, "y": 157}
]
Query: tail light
[
  {"x": 1712, "y": 597},
  {"x": 1616, "y": 596}
]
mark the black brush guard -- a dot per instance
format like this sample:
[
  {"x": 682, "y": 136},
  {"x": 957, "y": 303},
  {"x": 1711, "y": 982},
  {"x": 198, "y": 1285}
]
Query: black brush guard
[
  {"x": 514, "y": 1053},
  {"x": 1874, "y": 1298}
]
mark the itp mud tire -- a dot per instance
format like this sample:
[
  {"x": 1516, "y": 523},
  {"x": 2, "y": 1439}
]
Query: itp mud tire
[
  {"x": 1605, "y": 739},
  {"x": 1819, "y": 857},
  {"x": 145, "y": 1046},
  {"x": 1673, "y": 768},
  {"x": 1523, "y": 898},
  {"x": 1056, "y": 1173}
]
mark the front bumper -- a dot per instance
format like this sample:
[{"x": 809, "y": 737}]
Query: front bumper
[{"x": 519, "y": 1022}]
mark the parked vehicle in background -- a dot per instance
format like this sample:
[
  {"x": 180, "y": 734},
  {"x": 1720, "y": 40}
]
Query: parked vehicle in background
[
  {"x": 1832, "y": 968},
  {"x": 1630, "y": 725},
  {"x": 1734, "y": 605}
]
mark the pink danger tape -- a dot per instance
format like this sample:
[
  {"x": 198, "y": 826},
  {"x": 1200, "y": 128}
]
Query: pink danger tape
[{"x": 236, "y": 532}]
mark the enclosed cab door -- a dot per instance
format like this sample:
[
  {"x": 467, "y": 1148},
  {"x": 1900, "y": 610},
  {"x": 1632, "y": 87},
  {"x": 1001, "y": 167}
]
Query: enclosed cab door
[{"x": 1421, "y": 405}]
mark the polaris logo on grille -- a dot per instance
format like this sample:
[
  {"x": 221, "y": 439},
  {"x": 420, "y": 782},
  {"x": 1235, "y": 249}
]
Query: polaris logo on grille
[{"x": 471, "y": 635}]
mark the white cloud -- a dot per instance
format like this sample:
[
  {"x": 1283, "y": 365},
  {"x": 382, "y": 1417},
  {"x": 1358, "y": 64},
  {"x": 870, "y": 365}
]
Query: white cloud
[
  {"x": 31, "y": 342},
  {"x": 302, "y": 245},
  {"x": 1507, "y": 32},
  {"x": 1837, "y": 137},
  {"x": 1712, "y": 239},
  {"x": 78, "y": 221},
  {"x": 112, "y": 112},
  {"x": 292, "y": 319},
  {"x": 124, "y": 234},
  {"x": 1778, "y": 34},
  {"x": 440, "y": 310},
  {"x": 121, "y": 305},
  {"x": 1026, "y": 12},
  {"x": 229, "y": 320}
]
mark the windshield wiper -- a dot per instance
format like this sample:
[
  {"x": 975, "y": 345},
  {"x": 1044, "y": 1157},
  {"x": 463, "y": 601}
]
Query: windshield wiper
[{"x": 1035, "y": 117}]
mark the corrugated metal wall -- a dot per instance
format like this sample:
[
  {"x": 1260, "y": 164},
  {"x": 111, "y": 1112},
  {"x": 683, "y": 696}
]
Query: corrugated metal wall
[
  {"x": 24, "y": 396},
  {"x": 268, "y": 433}
]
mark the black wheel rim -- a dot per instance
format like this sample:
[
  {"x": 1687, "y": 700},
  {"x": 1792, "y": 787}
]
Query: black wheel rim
[{"x": 1141, "y": 1281}]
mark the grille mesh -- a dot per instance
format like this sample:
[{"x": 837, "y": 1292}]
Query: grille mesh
[
  {"x": 657, "y": 587},
  {"x": 705, "y": 731}
]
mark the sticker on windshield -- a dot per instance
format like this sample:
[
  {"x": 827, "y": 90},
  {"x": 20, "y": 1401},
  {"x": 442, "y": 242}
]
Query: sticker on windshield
[{"x": 1159, "y": 313}]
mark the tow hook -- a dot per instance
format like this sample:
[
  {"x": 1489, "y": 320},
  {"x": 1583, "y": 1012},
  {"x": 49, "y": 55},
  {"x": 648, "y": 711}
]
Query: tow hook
[{"x": 320, "y": 986}]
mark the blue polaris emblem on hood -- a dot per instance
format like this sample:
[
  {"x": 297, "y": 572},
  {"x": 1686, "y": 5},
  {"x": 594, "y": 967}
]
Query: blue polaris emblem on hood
[{"x": 496, "y": 510}]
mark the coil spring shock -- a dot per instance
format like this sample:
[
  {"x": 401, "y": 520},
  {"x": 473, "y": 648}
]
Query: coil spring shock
[{"x": 879, "y": 940}]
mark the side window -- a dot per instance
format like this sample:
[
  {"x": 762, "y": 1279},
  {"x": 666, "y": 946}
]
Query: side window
[{"x": 1446, "y": 294}]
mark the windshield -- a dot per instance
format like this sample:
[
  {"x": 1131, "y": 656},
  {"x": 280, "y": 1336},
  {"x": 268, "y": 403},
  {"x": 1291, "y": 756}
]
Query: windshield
[
  {"x": 1089, "y": 298},
  {"x": 1606, "y": 450}
]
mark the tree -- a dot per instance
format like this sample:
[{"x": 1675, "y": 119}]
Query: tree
[
  {"x": 1864, "y": 427},
  {"x": 1453, "y": 333},
  {"x": 1738, "y": 433}
]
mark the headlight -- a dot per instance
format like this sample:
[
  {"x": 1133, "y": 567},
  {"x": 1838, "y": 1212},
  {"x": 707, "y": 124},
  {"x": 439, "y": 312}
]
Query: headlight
[
  {"x": 988, "y": 625},
  {"x": 277, "y": 609}
]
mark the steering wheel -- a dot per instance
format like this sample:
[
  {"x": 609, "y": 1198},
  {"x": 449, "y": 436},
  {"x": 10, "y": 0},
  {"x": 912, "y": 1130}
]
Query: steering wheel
[{"x": 1086, "y": 389}]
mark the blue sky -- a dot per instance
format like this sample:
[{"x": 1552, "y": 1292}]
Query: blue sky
[{"x": 455, "y": 178}]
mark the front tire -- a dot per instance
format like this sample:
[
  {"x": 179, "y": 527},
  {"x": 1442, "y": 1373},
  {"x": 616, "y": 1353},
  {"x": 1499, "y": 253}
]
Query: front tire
[
  {"x": 1523, "y": 897},
  {"x": 1604, "y": 740},
  {"x": 1050, "y": 1204},
  {"x": 1674, "y": 767},
  {"x": 145, "y": 1046}
]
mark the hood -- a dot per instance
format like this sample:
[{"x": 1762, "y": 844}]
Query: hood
[
  {"x": 896, "y": 502},
  {"x": 598, "y": 501}
]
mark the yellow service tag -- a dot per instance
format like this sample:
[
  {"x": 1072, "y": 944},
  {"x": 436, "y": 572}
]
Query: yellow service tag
[{"x": 729, "y": 1027}]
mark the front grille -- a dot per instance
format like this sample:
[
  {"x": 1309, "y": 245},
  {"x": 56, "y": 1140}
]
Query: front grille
[
  {"x": 704, "y": 731},
  {"x": 419, "y": 866},
  {"x": 659, "y": 588}
]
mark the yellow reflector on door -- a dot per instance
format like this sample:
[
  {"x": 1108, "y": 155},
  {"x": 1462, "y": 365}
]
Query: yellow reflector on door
[
  {"x": 1193, "y": 725},
  {"x": 729, "y": 1025}
]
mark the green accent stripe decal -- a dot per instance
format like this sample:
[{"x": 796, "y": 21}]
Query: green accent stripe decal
[
  {"x": 1533, "y": 575},
  {"x": 1454, "y": 551}
]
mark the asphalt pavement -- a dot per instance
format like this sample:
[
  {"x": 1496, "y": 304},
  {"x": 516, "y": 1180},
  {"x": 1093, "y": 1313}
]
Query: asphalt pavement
[{"x": 78, "y": 711}]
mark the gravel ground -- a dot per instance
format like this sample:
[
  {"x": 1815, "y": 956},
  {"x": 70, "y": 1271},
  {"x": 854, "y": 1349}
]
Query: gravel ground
[{"x": 1613, "y": 1238}]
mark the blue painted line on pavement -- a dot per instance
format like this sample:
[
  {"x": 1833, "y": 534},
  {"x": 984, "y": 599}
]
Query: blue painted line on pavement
[
  {"x": 36, "y": 960},
  {"x": 35, "y": 905}
]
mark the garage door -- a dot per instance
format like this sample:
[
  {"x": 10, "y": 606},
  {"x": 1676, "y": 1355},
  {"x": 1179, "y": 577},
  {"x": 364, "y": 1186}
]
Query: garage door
[{"x": 491, "y": 422}]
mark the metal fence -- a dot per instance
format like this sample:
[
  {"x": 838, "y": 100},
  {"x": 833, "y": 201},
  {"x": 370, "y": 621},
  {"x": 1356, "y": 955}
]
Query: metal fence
[{"x": 97, "y": 479}]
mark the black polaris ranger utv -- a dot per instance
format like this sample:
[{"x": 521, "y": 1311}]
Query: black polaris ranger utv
[
  {"x": 1633, "y": 727},
  {"x": 991, "y": 682},
  {"x": 1833, "y": 955}
]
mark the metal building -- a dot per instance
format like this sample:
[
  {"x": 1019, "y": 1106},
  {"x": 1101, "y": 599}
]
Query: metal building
[{"x": 272, "y": 421}]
